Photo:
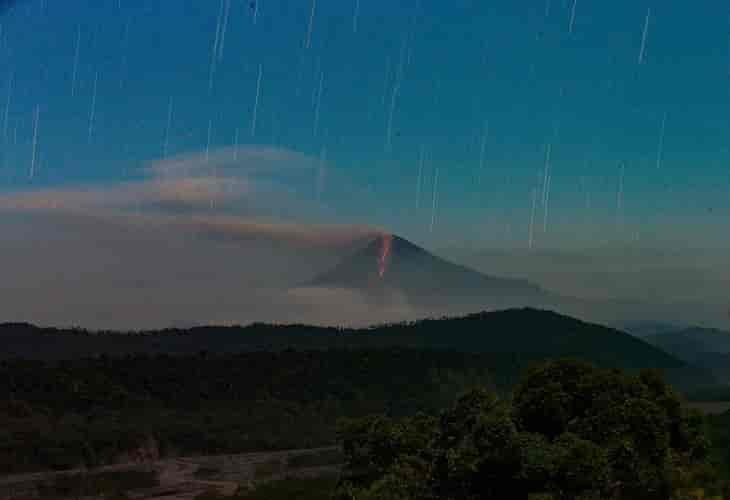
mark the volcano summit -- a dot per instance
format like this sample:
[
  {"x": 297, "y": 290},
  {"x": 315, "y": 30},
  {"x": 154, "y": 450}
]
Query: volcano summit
[{"x": 392, "y": 263}]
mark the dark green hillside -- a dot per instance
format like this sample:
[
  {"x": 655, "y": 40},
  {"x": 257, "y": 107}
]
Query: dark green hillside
[
  {"x": 528, "y": 334},
  {"x": 62, "y": 414},
  {"x": 535, "y": 334},
  {"x": 719, "y": 430},
  {"x": 93, "y": 411}
]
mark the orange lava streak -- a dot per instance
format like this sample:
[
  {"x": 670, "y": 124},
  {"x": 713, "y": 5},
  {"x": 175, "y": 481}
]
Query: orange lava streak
[{"x": 384, "y": 254}]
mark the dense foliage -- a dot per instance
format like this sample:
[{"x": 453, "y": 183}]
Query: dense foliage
[
  {"x": 571, "y": 431},
  {"x": 98, "y": 411},
  {"x": 565, "y": 429},
  {"x": 719, "y": 426}
]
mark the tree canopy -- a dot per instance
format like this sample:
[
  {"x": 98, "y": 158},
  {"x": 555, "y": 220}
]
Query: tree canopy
[{"x": 571, "y": 431}]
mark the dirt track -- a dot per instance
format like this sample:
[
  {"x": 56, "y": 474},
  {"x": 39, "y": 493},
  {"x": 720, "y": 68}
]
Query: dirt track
[{"x": 180, "y": 478}]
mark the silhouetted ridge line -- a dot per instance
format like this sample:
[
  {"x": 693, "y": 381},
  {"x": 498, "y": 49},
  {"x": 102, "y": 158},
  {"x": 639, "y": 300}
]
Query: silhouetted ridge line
[{"x": 527, "y": 333}]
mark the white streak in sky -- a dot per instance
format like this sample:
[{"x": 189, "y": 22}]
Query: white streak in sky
[
  {"x": 572, "y": 16},
  {"x": 211, "y": 75},
  {"x": 317, "y": 71},
  {"x": 256, "y": 10},
  {"x": 224, "y": 29},
  {"x": 216, "y": 42},
  {"x": 92, "y": 115},
  {"x": 643, "y": 36},
  {"x": 256, "y": 101},
  {"x": 36, "y": 119},
  {"x": 394, "y": 96},
  {"x": 75, "y": 69},
  {"x": 218, "y": 28},
  {"x": 420, "y": 177},
  {"x": 435, "y": 196},
  {"x": 311, "y": 24},
  {"x": 660, "y": 148},
  {"x": 547, "y": 203},
  {"x": 355, "y": 16}
]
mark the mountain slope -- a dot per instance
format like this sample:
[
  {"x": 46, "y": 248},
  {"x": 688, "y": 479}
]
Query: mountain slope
[
  {"x": 704, "y": 347},
  {"x": 692, "y": 341},
  {"x": 393, "y": 263},
  {"x": 521, "y": 335},
  {"x": 643, "y": 329}
]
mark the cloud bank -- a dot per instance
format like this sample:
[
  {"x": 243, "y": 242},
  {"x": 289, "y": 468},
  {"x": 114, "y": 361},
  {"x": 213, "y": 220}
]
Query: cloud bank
[{"x": 222, "y": 237}]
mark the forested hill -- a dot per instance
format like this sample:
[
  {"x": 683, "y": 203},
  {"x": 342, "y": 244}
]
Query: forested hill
[
  {"x": 528, "y": 334},
  {"x": 90, "y": 412}
]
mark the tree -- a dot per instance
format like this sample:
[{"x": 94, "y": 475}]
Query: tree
[{"x": 572, "y": 431}]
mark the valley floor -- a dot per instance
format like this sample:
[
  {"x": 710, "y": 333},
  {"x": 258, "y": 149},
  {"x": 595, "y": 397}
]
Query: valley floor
[
  {"x": 710, "y": 407},
  {"x": 185, "y": 478}
]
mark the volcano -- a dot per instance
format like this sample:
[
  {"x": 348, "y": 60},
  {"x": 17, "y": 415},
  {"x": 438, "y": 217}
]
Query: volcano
[{"x": 390, "y": 263}]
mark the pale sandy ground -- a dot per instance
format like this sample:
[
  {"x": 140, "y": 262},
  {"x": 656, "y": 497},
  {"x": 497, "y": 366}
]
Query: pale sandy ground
[
  {"x": 710, "y": 407},
  {"x": 177, "y": 476}
]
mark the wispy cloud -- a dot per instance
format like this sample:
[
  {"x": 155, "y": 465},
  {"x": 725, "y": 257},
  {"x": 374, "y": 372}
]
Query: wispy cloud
[
  {"x": 200, "y": 238},
  {"x": 237, "y": 181},
  {"x": 234, "y": 162},
  {"x": 229, "y": 194}
]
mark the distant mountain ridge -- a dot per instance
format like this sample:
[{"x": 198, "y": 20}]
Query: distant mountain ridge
[
  {"x": 390, "y": 262},
  {"x": 524, "y": 334},
  {"x": 648, "y": 328},
  {"x": 706, "y": 347},
  {"x": 693, "y": 340}
]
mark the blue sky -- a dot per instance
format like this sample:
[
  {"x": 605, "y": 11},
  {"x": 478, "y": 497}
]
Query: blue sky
[{"x": 457, "y": 66}]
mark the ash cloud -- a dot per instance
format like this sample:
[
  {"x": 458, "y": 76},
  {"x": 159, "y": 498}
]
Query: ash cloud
[{"x": 196, "y": 241}]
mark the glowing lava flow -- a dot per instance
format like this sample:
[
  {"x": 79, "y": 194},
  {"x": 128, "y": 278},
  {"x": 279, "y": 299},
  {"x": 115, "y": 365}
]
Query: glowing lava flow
[{"x": 384, "y": 254}]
